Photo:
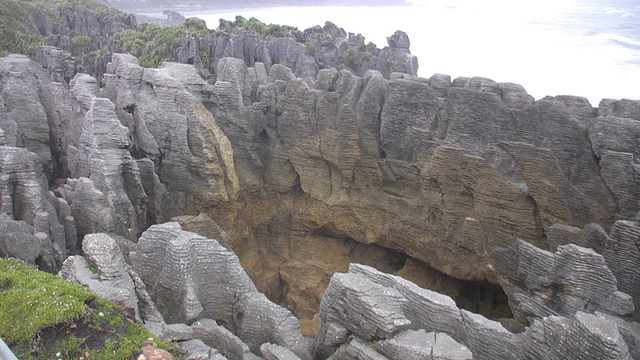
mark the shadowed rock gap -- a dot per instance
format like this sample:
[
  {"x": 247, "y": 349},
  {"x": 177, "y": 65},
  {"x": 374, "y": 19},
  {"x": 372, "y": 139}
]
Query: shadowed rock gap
[{"x": 293, "y": 267}]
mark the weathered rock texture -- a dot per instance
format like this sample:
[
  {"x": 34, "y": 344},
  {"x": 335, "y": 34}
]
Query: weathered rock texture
[
  {"x": 190, "y": 277},
  {"x": 420, "y": 177},
  {"x": 113, "y": 279},
  {"x": 438, "y": 329},
  {"x": 573, "y": 279}
]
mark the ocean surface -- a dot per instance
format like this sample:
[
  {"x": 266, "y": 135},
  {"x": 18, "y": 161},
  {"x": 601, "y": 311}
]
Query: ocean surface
[{"x": 589, "y": 48}]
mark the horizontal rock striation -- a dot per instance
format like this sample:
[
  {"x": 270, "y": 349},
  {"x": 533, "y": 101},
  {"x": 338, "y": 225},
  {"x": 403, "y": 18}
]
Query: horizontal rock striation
[
  {"x": 458, "y": 333},
  {"x": 190, "y": 277},
  {"x": 444, "y": 180},
  {"x": 545, "y": 284}
]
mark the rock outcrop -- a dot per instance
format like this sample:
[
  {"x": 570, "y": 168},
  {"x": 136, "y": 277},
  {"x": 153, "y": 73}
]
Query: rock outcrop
[
  {"x": 440, "y": 330},
  {"x": 433, "y": 179},
  {"x": 190, "y": 277},
  {"x": 573, "y": 279}
]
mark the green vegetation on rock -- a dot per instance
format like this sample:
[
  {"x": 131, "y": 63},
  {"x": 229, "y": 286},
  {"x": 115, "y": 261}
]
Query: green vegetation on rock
[
  {"x": 42, "y": 314},
  {"x": 153, "y": 44},
  {"x": 19, "y": 32},
  {"x": 312, "y": 49},
  {"x": 256, "y": 26}
]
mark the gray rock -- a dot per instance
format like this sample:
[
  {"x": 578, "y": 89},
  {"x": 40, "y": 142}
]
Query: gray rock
[
  {"x": 441, "y": 84},
  {"x": 198, "y": 350},
  {"x": 24, "y": 117},
  {"x": 194, "y": 158},
  {"x": 275, "y": 352},
  {"x": 579, "y": 107},
  {"x": 29, "y": 210},
  {"x": 630, "y": 331},
  {"x": 18, "y": 240},
  {"x": 625, "y": 108},
  {"x": 177, "y": 332},
  {"x": 356, "y": 350},
  {"x": 586, "y": 336},
  {"x": 105, "y": 272},
  {"x": 573, "y": 279},
  {"x": 222, "y": 340},
  {"x": 61, "y": 65},
  {"x": 190, "y": 277},
  {"x": 446, "y": 348},
  {"x": 259, "y": 321},
  {"x": 408, "y": 345},
  {"x": 419, "y": 344},
  {"x": 425, "y": 309},
  {"x": 397, "y": 57},
  {"x": 622, "y": 256},
  {"x": 488, "y": 339},
  {"x": 407, "y": 119},
  {"x": 515, "y": 96},
  {"x": 76, "y": 269},
  {"x": 363, "y": 307},
  {"x": 438, "y": 313}
]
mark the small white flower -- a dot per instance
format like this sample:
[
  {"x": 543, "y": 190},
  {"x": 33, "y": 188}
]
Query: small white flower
[
  {"x": 101, "y": 314},
  {"x": 58, "y": 354}
]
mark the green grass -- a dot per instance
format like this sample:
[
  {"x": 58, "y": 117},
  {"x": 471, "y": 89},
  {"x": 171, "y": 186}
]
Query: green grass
[
  {"x": 42, "y": 314},
  {"x": 19, "y": 36},
  {"x": 31, "y": 300}
]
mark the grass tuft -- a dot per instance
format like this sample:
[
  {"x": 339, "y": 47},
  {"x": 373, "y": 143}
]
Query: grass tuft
[{"x": 42, "y": 315}]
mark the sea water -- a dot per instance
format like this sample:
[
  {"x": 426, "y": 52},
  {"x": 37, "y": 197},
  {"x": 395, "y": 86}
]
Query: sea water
[{"x": 551, "y": 47}]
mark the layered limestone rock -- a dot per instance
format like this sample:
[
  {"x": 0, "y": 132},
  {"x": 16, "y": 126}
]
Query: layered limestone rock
[
  {"x": 30, "y": 228},
  {"x": 573, "y": 279},
  {"x": 191, "y": 164},
  {"x": 440, "y": 330},
  {"x": 309, "y": 175},
  {"x": 190, "y": 277},
  {"x": 304, "y": 52},
  {"x": 113, "y": 279}
]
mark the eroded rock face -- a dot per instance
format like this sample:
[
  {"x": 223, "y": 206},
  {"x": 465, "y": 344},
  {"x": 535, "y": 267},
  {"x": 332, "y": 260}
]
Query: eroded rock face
[
  {"x": 190, "y": 277},
  {"x": 440, "y": 330},
  {"x": 544, "y": 284},
  {"x": 30, "y": 228},
  {"x": 308, "y": 175}
]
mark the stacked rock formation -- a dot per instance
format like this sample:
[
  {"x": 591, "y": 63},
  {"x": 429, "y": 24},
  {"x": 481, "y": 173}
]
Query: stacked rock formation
[
  {"x": 446, "y": 182},
  {"x": 183, "y": 286}
]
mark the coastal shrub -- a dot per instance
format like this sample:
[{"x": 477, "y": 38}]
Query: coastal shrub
[
  {"x": 81, "y": 44},
  {"x": 312, "y": 49},
  {"x": 195, "y": 25},
  {"x": 350, "y": 53},
  {"x": 276, "y": 30},
  {"x": 17, "y": 31},
  {"x": 370, "y": 47},
  {"x": 328, "y": 25}
]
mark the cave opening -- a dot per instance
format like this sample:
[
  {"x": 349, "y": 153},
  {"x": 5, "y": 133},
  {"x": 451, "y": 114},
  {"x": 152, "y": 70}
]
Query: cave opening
[{"x": 294, "y": 269}]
